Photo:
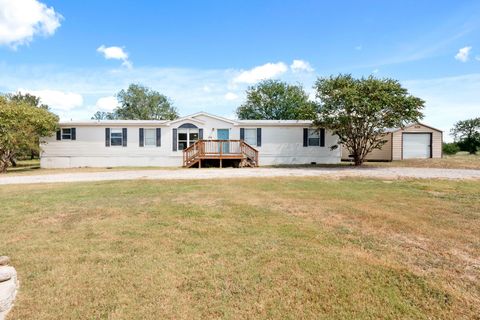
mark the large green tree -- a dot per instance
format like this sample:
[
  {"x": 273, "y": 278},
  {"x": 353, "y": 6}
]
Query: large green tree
[
  {"x": 359, "y": 111},
  {"x": 27, "y": 98},
  {"x": 21, "y": 126},
  {"x": 467, "y": 134},
  {"x": 276, "y": 100},
  {"x": 140, "y": 103},
  {"x": 34, "y": 101}
]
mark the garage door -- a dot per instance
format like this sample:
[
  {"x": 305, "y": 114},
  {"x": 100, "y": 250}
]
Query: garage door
[{"x": 416, "y": 145}]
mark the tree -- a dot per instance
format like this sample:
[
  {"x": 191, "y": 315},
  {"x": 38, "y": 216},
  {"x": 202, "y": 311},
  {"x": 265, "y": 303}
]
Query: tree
[
  {"x": 467, "y": 134},
  {"x": 102, "y": 115},
  {"x": 26, "y": 98},
  {"x": 21, "y": 125},
  {"x": 276, "y": 100},
  {"x": 33, "y": 101},
  {"x": 359, "y": 111},
  {"x": 140, "y": 103}
]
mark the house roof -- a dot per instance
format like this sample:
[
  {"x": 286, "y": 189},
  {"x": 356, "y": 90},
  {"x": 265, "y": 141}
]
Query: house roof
[
  {"x": 411, "y": 125},
  {"x": 274, "y": 122},
  {"x": 111, "y": 122},
  {"x": 192, "y": 117}
]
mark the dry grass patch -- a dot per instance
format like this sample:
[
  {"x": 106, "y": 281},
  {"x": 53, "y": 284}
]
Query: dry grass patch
[
  {"x": 461, "y": 160},
  {"x": 284, "y": 248}
]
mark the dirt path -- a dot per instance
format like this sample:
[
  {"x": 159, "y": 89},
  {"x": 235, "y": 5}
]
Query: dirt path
[{"x": 184, "y": 174}]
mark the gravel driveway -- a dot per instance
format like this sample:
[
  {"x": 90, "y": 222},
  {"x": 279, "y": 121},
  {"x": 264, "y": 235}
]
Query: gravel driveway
[{"x": 183, "y": 174}]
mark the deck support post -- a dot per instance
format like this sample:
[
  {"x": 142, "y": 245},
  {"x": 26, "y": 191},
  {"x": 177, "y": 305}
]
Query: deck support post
[
  {"x": 200, "y": 163},
  {"x": 220, "y": 162}
]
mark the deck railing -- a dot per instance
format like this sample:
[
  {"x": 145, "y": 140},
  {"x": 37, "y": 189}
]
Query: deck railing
[{"x": 219, "y": 149}]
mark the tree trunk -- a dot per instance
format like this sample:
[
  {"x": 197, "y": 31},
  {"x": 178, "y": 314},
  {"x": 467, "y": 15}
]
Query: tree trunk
[
  {"x": 5, "y": 160},
  {"x": 357, "y": 159},
  {"x": 3, "y": 167}
]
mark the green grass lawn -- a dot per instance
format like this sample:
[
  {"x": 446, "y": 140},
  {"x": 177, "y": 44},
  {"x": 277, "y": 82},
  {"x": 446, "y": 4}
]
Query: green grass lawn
[{"x": 287, "y": 248}]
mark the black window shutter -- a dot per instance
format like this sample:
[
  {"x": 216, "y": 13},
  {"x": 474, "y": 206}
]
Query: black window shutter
[
  {"x": 305, "y": 137},
  {"x": 140, "y": 137},
  {"x": 322, "y": 137},
  {"x": 74, "y": 133},
  {"x": 107, "y": 137},
  {"x": 259, "y": 137},
  {"x": 159, "y": 137},
  {"x": 124, "y": 134},
  {"x": 200, "y": 134},
  {"x": 59, "y": 134},
  {"x": 242, "y": 133},
  {"x": 174, "y": 139}
]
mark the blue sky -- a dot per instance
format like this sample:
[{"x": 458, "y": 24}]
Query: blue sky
[{"x": 203, "y": 54}]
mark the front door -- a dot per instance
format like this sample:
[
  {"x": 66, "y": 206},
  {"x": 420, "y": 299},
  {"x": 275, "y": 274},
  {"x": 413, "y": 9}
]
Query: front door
[{"x": 224, "y": 134}]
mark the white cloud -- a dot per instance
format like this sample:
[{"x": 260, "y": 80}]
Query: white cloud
[
  {"x": 266, "y": 71},
  {"x": 116, "y": 53},
  {"x": 358, "y": 48},
  {"x": 463, "y": 54},
  {"x": 301, "y": 65},
  {"x": 57, "y": 100},
  {"x": 106, "y": 103},
  {"x": 96, "y": 83},
  {"x": 231, "y": 96},
  {"x": 21, "y": 20},
  {"x": 375, "y": 71},
  {"x": 477, "y": 58}
]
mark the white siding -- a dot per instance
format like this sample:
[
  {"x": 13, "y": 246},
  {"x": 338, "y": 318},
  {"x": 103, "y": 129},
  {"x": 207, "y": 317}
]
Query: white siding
[
  {"x": 280, "y": 145},
  {"x": 284, "y": 145}
]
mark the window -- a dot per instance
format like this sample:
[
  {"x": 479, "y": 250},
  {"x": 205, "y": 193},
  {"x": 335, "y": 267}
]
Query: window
[
  {"x": 150, "y": 137},
  {"x": 251, "y": 136},
  {"x": 313, "y": 137},
  {"x": 116, "y": 137},
  {"x": 66, "y": 134},
  {"x": 187, "y": 137}
]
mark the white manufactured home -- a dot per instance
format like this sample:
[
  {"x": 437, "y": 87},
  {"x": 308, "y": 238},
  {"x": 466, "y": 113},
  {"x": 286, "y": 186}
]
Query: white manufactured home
[{"x": 196, "y": 140}]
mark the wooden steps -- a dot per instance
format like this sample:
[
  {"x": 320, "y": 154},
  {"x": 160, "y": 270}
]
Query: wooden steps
[{"x": 221, "y": 150}]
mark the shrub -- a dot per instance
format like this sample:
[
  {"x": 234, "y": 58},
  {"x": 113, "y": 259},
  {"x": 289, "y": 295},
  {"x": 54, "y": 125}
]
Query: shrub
[{"x": 450, "y": 148}]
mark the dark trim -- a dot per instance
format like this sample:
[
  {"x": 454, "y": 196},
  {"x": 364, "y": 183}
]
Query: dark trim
[
  {"x": 73, "y": 133},
  {"x": 305, "y": 137},
  {"x": 107, "y": 137},
  {"x": 322, "y": 137},
  {"x": 59, "y": 134},
  {"x": 159, "y": 136},
  {"x": 242, "y": 133},
  {"x": 200, "y": 134},
  {"x": 431, "y": 141},
  {"x": 174, "y": 139},
  {"x": 259, "y": 137},
  {"x": 188, "y": 126},
  {"x": 124, "y": 137},
  {"x": 141, "y": 137}
]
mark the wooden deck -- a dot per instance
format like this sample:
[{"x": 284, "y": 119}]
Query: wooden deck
[{"x": 221, "y": 150}]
